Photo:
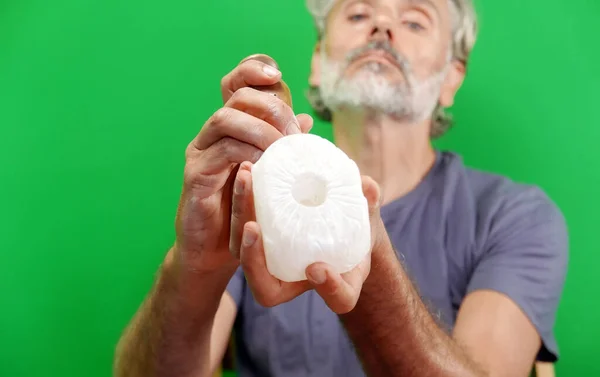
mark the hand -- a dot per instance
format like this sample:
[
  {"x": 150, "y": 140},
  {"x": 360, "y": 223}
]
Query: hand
[
  {"x": 248, "y": 123},
  {"x": 340, "y": 291}
]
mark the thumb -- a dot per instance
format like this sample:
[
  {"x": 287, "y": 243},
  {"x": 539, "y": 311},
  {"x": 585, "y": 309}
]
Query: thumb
[
  {"x": 306, "y": 122},
  {"x": 372, "y": 192},
  {"x": 340, "y": 295}
]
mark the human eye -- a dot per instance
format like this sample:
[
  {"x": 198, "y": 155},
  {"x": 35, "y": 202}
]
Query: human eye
[
  {"x": 414, "y": 26},
  {"x": 357, "y": 17},
  {"x": 416, "y": 21},
  {"x": 358, "y": 12}
]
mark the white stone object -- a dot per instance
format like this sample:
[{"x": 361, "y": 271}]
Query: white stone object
[{"x": 310, "y": 206}]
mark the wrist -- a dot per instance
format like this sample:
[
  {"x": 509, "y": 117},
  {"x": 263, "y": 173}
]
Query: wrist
[
  {"x": 386, "y": 275},
  {"x": 195, "y": 286},
  {"x": 189, "y": 264},
  {"x": 383, "y": 255}
]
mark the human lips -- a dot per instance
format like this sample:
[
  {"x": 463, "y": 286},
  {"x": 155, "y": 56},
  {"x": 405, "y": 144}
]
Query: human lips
[{"x": 379, "y": 55}]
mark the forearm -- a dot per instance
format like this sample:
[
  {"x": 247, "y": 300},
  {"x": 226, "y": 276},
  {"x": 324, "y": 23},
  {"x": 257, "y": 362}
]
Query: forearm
[
  {"x": 393, "y": 331},
  {"x": 170, "y": 334}
]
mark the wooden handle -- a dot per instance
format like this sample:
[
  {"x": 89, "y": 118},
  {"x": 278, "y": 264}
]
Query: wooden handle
[{"x": 280, "y": 89}]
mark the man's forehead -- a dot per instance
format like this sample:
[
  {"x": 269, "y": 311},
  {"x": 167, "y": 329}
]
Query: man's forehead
[
  {"x": 442, "y": 10},
  {"x": 321, "y": 8}
]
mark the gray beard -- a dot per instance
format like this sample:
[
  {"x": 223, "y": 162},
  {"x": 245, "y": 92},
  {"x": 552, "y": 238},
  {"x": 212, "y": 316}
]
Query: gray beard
[{"x": 368, "y": 90}]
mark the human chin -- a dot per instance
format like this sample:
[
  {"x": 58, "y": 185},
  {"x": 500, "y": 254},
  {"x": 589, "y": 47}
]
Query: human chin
[
  {"x": 374, "y": 71},
  {"x": 365, "y": 87},
  {"x": 372, "y": 93}
]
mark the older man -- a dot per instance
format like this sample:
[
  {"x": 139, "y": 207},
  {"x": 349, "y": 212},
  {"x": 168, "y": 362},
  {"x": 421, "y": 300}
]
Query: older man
[{"x": 466, "y": 268}]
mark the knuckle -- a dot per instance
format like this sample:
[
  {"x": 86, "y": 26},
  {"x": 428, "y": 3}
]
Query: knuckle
[
  {"x": 230, "y": 77},
  {"x": 275, "y": 106},
  {"x": 241, "y": 95},
  {"x": 248, "y": 61},
  {"x": 197, "y": 171},
  {"x": 251, "y": 66},
  {"x": 191, "y": 172},
  {"x": 225, "y": 80},
  {"x": 194, "y": 179},
  {"x": 224, "y": 148},
  {"x": 280, "y": 112},
  {"x": 221, "y": 116},
  {"x": 256, "y": 130},
  {"x": 190, "y": 151},
  {"x": 245, "y": 92}
]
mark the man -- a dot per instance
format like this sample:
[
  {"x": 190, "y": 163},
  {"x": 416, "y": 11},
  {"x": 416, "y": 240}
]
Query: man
[{"x": 466, "y": 268}]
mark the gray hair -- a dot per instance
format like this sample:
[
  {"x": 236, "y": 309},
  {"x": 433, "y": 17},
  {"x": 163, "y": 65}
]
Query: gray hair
[{"x": 464, "y": 35}]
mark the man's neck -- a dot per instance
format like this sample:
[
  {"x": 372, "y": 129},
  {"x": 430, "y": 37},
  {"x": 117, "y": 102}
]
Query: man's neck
[{"x": 397, "y": 155}]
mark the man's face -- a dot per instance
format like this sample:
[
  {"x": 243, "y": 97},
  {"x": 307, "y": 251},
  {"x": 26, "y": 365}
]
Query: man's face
[{"x": 388, "y": 55}]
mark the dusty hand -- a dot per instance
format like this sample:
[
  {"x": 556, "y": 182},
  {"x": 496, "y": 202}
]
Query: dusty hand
[
  {"x": 248, "y": 123},
  {"x": 340, "y": 291}
]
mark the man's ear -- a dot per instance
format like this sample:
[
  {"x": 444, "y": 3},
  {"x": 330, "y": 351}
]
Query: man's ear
[
  {"x": 315, "y": 66},
  {"x": 453, "y": 82}
]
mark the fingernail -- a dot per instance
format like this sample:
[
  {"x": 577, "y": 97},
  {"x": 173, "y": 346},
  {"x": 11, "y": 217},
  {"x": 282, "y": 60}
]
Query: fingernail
[
  {"x": 310, "y": 127},
  {"x": 238, "y": 187},
  {"x": 292, "y": 128},
  {"x": 249, "y": 238},
  {"x": 270, "y": 71},
  {"x": 317, "y": 276}
]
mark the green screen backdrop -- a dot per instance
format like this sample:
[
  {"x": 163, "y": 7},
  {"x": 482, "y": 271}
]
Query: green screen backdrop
[{"x": 98, "y": 100}]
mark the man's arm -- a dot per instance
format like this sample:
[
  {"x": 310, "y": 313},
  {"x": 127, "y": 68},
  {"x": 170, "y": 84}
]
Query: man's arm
[
  {"x": 495, "y": 331},
  {"x": 171, "y": 333},
  {"x": 221, "y": 331},
  {"x": 393, "y": 332},
  {"x": 507, "y": 315}
]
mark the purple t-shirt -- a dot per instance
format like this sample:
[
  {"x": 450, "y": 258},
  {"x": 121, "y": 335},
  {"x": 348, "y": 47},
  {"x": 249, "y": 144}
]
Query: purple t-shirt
[{"x": 458, "y": 231}]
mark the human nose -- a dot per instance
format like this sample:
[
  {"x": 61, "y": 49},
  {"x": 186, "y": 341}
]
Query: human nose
[{"x": 382, "y": 29}]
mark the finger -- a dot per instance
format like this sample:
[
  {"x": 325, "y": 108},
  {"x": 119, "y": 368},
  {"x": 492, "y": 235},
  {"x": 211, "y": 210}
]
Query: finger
[
  {"x": 262, "y": 58},
  {"x": 374, "y": 197},
  {"x": 242, "y": 207},
  {"x": 340, "y": 294},
  {"x": 236, "y": 124},
  {"x": 306, "y": 122},
  {"x": 267, "y": 290},
  {"x": 267, "y": 107},
  {"x": 250, "y": 72},
  {"x": 372, "y": 193},
  {"x": 222, "y": 155}
]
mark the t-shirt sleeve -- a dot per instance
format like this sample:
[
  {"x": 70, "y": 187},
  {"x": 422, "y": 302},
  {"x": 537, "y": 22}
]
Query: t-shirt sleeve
[
  {"x": 236, "y": 286},
  {"x": 525, "y": 257}
]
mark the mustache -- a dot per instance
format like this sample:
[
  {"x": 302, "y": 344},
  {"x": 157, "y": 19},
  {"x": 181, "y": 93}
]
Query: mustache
[{"x": 384, "y": 46}]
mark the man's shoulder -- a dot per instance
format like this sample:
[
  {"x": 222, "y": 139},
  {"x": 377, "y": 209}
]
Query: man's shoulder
[
  {"x": 508, "y": 216},
  {"x": 495, "y": 193}
]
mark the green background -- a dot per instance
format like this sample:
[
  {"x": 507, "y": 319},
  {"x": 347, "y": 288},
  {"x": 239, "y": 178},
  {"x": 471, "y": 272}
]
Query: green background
[{"x": 99, "y": 98}]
